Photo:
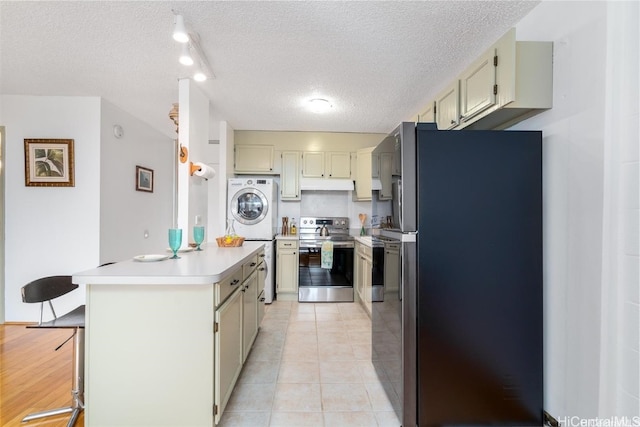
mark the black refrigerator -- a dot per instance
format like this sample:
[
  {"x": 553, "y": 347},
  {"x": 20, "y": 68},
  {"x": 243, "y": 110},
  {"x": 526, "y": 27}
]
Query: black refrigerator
[{"x": 460, "y": 342}]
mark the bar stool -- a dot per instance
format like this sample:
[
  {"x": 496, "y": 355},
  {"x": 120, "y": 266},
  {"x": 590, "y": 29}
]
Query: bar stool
[{"x": 44, "y": 290}]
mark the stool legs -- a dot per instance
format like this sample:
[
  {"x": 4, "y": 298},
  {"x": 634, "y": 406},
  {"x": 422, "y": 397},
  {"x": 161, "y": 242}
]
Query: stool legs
[{"x": 77, "y": 385}]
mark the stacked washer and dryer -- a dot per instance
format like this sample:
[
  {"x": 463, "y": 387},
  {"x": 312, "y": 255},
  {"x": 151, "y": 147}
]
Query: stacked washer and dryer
[{"x": 253, "y": 205}]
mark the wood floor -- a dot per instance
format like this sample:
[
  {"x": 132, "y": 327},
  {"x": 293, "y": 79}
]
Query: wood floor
[{"x": 33, "y": 376}]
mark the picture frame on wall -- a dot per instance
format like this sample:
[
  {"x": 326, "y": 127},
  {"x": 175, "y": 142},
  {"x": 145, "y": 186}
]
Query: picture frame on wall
[
  {"x": 144, "y": 179},
  {"x": 49, "y": 163}
]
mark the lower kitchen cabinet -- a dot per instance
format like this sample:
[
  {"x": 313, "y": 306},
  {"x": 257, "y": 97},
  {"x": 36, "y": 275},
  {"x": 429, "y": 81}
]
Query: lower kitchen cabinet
[
  {"x": 228, "y": 350},
  {"x": 364, "y": 268},
  {"x": 249, "y": 313},
  {"x": 287, "y": 270}
]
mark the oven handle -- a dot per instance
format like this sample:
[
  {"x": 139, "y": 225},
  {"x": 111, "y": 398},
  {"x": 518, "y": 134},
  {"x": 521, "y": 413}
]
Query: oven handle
[{"x": 335, "y": 246}]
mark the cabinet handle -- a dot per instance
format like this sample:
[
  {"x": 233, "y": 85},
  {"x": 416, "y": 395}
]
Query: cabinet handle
[
  {"x": 262, "y": 255},
  {"x": 235, "y": 282},
  {"x": 253, "y": 264},
  {"x": 262, "y": 269},
  {"x": 453, "y": 122}
]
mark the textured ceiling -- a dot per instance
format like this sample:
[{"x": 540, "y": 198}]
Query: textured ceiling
[{"x": 378, "y": 62}]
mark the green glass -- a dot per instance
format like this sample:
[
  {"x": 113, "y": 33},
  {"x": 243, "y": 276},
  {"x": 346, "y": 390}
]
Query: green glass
[
  {"x": 175, "y": 240},
  {"x": 198, "y": 235}
]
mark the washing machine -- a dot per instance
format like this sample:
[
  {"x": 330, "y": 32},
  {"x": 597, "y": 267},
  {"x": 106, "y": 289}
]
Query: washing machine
[{"x": 253, "y": 205}]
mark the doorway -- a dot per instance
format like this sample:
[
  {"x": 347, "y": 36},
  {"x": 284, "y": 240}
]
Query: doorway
[{"x": 2, "y": 240}]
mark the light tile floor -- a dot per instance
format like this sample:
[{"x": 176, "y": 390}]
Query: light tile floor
[{"x": 311, "y": 366}]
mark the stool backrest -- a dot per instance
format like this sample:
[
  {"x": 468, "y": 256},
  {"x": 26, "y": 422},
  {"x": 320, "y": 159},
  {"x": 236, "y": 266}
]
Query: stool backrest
[{"x": 45, "y": 289}]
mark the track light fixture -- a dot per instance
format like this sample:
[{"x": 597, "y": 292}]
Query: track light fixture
[
  {"x": 180, "y": 33},
  {"x": 185, "y": 56},
  {"x": 191, "y": 46}
]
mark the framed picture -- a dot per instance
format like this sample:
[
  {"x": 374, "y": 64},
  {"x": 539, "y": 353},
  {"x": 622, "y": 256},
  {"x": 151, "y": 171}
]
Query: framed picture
[
  {"x": 144, "y": 179},
  {"x": 48, "y": 163}
]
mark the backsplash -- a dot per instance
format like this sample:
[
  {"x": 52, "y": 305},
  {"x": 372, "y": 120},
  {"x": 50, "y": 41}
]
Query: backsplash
[{"x": 319, "y": 203}]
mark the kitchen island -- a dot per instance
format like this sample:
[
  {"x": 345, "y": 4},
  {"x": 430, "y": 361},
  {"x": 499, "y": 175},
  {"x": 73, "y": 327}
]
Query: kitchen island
[{"x": 165, "y": 341}]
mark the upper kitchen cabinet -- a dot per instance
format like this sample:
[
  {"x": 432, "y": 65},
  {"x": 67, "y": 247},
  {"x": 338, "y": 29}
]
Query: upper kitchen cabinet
[
  {"x": 317, "y": 164},
  {"x": 447, "y": 107},
  {"x": 290, "y": 176},
  {"x": 478, "y": 87},
  {"x": 364, "y": 174},
  {"x": 427, "y": 114},
  {"x": 511, "y": 81},
  {"x": 253, "y": 159},
  {"x": 386, "y": 171}
]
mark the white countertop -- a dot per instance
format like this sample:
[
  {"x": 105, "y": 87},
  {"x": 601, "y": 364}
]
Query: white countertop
[{"x": 193, "y": 268}]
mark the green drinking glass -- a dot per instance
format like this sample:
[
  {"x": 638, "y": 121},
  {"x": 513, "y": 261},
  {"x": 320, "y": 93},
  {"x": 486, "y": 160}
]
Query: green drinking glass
[
  {"x": 175, "y": 240},
  {"x": 198, "y": 235}
]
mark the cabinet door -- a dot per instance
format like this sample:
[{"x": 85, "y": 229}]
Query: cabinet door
[
  {"x": 367, "y": 270},
  {"x": 478, "y": 86},
  {"x": 386, "y": 168},
  {"x": 447, "y": 108},
  {"x": 339, "y": 165},
  {"x": 287, "y": 270},
  {"x": 290, "y": 176},
  {"x": 313, "y": 164},
  {"x": 249, "y": 313},
  {"x": 228, "y": 350},
  {"x": 391, "y": 269},
  {"x": 363, "y": 174},
  {"x": 427, "y": 115},
  {"x": 253, "y": 159},
  {"x": 262, "y": 277}
]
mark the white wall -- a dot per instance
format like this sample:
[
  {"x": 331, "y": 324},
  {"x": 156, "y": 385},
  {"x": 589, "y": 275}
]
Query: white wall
[
  {"x": 133, "y": 222},
  {"x": 573, "y": 179},
  {"x": 50, "y": 231}
]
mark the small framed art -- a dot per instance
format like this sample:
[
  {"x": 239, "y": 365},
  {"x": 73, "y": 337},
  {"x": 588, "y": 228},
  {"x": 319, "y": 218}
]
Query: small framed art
[
  {"x": 144, "y": 179},
  {"x": 48, "y": 163}
]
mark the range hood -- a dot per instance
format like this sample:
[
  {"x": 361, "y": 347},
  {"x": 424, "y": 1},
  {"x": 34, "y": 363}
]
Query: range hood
[{"x": 327, "y": 184}]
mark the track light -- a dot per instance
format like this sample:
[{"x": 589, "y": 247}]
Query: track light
[
  {"x": 185, "y": 55},
  {"x": 180, "y": 33},
  {"x": 191, "y": 47},
  {"x": 199, "y": 75}
]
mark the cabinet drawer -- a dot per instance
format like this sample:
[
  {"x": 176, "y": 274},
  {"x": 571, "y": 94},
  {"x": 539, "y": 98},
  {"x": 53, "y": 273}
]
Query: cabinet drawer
[
  {"x": 393, "y": 247},
  {"x": 287, "y": 244},
  {"x": 249, "y": 266},
  {"x": 365, "y": 251},
  {"x": 226, "y": 287}
]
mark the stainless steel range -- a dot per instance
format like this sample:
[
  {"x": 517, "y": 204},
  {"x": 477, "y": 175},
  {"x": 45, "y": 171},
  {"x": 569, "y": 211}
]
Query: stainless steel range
[{"x": 331, "y": 279}]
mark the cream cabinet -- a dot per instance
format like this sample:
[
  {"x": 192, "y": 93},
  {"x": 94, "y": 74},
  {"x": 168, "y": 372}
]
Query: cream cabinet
[
  {"x": 386, "y": 170},
  {"x": 338, "y": 165},
  {"x": 228, "y": 350},
  {"x": 364, "y": 174},
  {"x": 287, "y": 269},
  {"x": 319, "y": 164},
  {"x": 262, "y": 277},
  {"x": 447, "y": 107},
  {"x": 249, "y": 313},
  {"x": 509, "y": 82},
  {"x": 290, "y": 176},
  {"x": 478, "y": 86},
  {"x": 253, "y": 159},
  {"x": 364, "y": 269}
]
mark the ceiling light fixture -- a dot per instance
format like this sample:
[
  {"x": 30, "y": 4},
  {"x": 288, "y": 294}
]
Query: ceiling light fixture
[
  {"x": 319, "y": 105},
  {"x": 191, "y": 47},
  {"x": 185, "y": 56},
  {"x": 180, "y": 30}
]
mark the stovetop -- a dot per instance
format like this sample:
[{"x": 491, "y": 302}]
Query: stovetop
[{"x": 309, "y": 229}]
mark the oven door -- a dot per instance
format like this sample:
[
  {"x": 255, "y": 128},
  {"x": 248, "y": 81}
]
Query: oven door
[{"x": 317, "y": 284}]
